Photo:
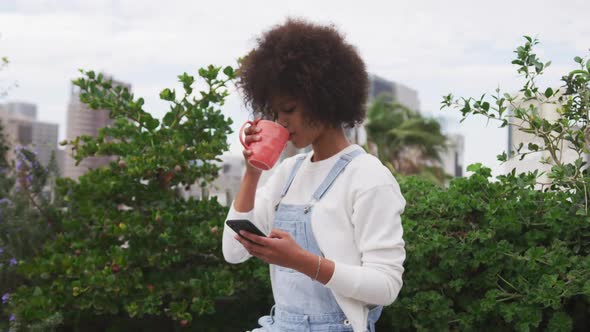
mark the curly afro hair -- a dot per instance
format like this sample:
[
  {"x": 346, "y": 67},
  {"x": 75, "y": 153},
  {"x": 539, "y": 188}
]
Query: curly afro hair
[{"x": 310, "y": 62}]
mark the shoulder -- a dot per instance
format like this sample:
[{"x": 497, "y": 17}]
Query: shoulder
[{"x": 367, "y": 171}]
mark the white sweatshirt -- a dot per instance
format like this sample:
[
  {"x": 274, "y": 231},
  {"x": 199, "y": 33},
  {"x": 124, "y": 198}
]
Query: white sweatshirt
[{"x": 356, "y": 224}]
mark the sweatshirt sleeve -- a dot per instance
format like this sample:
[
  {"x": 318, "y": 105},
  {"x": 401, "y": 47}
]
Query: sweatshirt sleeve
[
  {"x": 379, "y": 235},
  {"x": 261, "y": 215}
]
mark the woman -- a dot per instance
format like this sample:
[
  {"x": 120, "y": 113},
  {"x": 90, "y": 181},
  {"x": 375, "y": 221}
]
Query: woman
[{"x": 332, "y": 216}]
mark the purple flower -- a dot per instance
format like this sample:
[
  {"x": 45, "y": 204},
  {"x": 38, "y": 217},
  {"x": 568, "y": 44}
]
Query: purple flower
[
  {"x": 1, "y": 250},
  {"x": 12, "y": 318},
  {"x": 5, "y": 297},
  {"x": 12, "y": 261},
  {"x": 5, "y": 200}
]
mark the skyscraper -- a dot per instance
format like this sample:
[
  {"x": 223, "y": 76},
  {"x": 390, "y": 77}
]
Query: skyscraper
[
  {"x": 81, "y": 120},
  {"x": 533, "y": 161},
  {"x": 27, "y": 109},
  {"x": 22, "y": 128},
  {"x": 394, "y": 91}
]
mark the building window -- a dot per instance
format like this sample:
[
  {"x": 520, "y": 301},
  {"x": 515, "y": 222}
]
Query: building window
[
  {"x": 458, "y": 167},
  {"x": 25, "y": 134}
]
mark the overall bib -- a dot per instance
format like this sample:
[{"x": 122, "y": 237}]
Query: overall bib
[{"x": 303, "y": 304}]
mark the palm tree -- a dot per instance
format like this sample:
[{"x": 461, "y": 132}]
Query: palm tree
[{"x": 410, "y": 143}]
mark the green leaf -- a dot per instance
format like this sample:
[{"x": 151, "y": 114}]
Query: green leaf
[
  {"x": 474, "y": 167},
  {"x": 548, "y": 92},
  {"x": 169, "y": 118},
  {"x": 152, "y": 124},
  {"x": 578, "y": 60},
  {"x": 579, "y": 71},
  {"x": 229, "y": 71},
  {"x": 167, "y": 94},
  {"x": 38, "y": 291},
  {"x": 528, "y": 93}
]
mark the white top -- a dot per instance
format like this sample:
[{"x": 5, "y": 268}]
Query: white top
[{"x": 356, "y": 224}]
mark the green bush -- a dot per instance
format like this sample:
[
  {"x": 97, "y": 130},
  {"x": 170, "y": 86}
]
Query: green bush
[
  {"x": 492, "y": 256},
  {"x": 129, "y": 250},
  {"x": 26, "y": 216}
]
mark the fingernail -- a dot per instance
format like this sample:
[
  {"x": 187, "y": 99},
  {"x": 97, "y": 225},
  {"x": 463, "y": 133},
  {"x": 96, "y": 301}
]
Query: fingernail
[{"x": 258, "y": 130}]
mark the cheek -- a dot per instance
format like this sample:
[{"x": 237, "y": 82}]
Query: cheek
[{"x": 306, "y": 135}]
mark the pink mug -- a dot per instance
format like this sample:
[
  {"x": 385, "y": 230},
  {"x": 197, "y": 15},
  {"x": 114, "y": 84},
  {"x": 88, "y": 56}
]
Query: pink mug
[{"x": 266, "y": 151}]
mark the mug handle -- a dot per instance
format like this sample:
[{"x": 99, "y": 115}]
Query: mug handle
[{"x": 252, "y": 123}]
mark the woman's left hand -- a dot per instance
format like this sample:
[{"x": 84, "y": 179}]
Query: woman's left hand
[{"x": 278, "y": 248}]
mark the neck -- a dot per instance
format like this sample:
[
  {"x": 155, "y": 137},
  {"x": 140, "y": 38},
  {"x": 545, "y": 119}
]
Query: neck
[{"x": 332, "y": 141}]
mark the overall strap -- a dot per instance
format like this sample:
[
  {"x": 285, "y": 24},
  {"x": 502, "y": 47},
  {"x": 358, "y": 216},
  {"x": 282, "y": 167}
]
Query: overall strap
[
  {"x": 336, "y": 170},
  {"x": 292, "y": 175}
]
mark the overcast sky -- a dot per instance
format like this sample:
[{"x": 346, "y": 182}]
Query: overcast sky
[{"x": 434, "y": 47}]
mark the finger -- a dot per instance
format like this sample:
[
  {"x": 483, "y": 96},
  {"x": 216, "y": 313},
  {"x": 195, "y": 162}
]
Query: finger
[
  {"x": 259, "y": 240},
  {"x": 277, "y": 233},
  {"x": 247, "y": 153},
  {"x": 247, "y": 244},
  {"x": 251, "y": 138},
  {"x": 241, "y": 240},
  {"x": 253, "y": 249},
  {"x": 252, "y": 130}
]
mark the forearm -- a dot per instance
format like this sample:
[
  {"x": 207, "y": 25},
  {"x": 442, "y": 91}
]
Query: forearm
[
  {"x": 244, "y": 201},
  {"x": 371, "y": 284},
  {"x": 243, "y": 208},
  {"x": 311, "y": 265},
  {"x": 368, "y": 284}
]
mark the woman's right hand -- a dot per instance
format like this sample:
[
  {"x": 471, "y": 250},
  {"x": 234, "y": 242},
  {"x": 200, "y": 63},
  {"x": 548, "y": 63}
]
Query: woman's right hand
[{"x": 251, "y": 136}]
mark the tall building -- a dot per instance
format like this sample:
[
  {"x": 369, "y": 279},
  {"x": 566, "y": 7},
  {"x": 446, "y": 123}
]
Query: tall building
[
  {"x": 452, "y": 157},
  {"x": 394, "y": 92},
  {"x": 81, "y": 120},
  {"x": 226, "y": 186},
  {"x": 533, "y": 161},
  {"x": 22, "y": 128},
  {"x": 26, "y": 109}
]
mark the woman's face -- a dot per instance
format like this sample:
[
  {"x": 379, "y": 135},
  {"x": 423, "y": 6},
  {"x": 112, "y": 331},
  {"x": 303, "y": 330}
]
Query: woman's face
[{"x": 290, "y": 113}]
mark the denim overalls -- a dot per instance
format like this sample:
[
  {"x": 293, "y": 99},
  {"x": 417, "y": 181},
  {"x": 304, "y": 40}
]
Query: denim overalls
[{"x": 302, "y": 304}]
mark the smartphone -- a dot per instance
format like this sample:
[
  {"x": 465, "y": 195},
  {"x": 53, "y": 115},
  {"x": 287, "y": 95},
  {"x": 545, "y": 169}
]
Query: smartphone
[{"x": 244, "y": 225}]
